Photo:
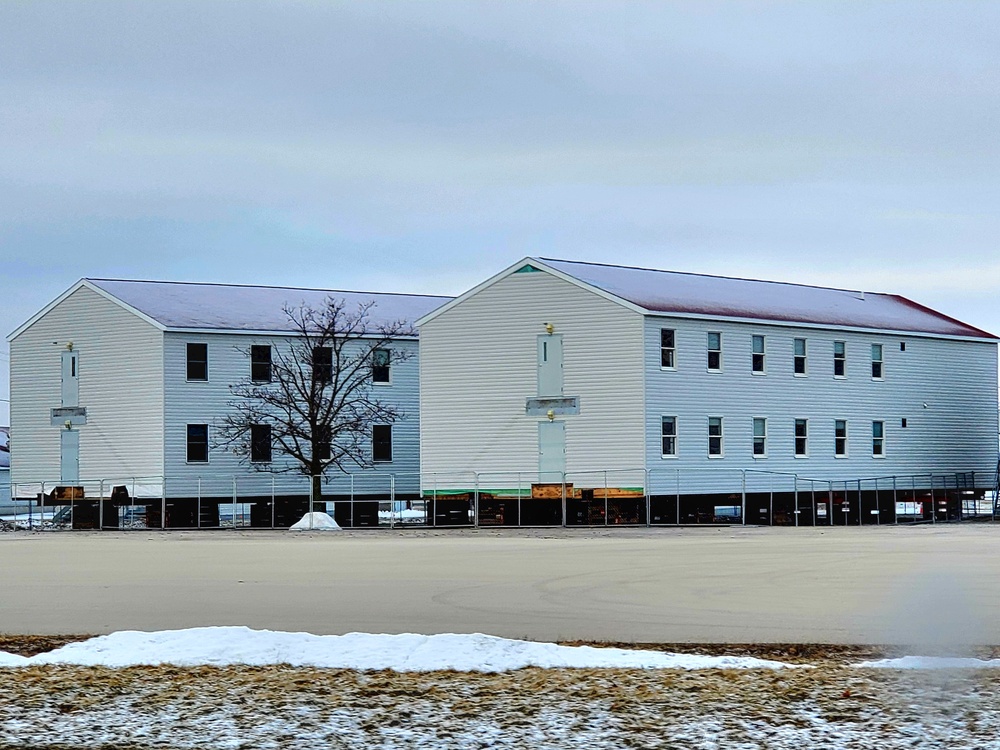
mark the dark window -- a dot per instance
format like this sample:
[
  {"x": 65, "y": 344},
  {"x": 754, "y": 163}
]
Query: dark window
[
  {"x": 878, "y": 438},
  {"x": 197, "y": 443},
  {"x": 903, "y": 422},
  {"x": 902, "y": 346},
  {"x": 380, "y": 365},
  {"x": 382, "y": 442},
  {"x": 800, "y": 356},
  {"x": 715, "y": 436},
  {"x": 260, "y": 363},
  {"x": 839, "y": 359},
  {"x": 840, "y": 437},
  {"x": 667, "y": 348},
  {"x": 323, "y": 449},
  {"x": 757, "y": 358},
  {"x": 714, "y": 351},
  {"x": 260, "y": 443},
  {"x": 759, "y": 436},
  {"x": 877, "y": 371},
  {"x": 323, "y": 364},
  {"x": 801, "y": 437},
  {"x": 668, "y": 430},
  {"x": 197, "y": 361}
]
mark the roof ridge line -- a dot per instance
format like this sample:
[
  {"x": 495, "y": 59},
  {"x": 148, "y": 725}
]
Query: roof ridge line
[
  {"x": 263, "y": 286},
  {"x": 714, "y": 276}
]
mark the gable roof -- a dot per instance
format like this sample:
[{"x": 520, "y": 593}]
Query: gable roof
[
  {"x": 194, "y": 306},
  {"x": 650, "y": 292}
]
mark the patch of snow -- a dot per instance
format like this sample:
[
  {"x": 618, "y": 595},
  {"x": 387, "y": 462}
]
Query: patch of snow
[
  {"x": 931, "y": 662},
  {"x": 315, "y": 521},
  {"x": 408, "y": 652},
  {"x": 13, "y": 660}
]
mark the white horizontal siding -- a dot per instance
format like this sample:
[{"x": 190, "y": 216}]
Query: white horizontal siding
[
  {"x": 121, "y": 385},
  {"x": 478, "y": 365},
  {"x": 957, "y": 431},
  {"x": 208, "y": 403}
]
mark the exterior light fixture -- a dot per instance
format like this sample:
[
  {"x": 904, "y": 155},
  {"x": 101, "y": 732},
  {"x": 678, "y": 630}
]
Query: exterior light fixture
[
  {"x": 549, "y": 328},
  {"x": 550, "y": 414}
]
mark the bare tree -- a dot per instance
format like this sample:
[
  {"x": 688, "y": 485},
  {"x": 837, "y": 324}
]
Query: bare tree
[{"x": 313, "y": 398}]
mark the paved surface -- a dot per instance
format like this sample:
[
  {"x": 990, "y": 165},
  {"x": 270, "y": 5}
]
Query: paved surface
[{"x": 873, "y": 585}]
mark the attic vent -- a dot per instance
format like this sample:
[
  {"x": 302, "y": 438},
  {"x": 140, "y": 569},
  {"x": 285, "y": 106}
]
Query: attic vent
[{"x": 527, "y": 269}]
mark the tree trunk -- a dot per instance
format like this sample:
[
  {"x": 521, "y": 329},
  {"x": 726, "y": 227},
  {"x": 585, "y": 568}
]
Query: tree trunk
[{"x": 316, "y": 492}]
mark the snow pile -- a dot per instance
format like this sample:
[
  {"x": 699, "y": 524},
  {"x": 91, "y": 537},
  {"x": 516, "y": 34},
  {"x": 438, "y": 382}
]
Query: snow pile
[
  {"x": 315, "y": 522},
  {"x": 222, "y": 646},
  {"x": 931, "y": 662}
]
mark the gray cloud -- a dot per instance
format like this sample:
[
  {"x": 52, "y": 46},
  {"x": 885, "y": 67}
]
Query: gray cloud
[{"x": 827, "y": 142}]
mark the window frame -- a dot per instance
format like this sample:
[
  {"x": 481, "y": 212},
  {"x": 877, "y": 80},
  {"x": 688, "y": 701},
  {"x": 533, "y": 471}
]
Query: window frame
[
  {"x": 664, "y": 435},
  {"x": 384, "y": 442},
  {"x": 804, "y": 437},
  {"x": 762, "y": 438},
  {"x": 319, "y": 373},
  {"x": 721, "y": 436},
  {"x": 387, "y": 366},
  {"x": 836, "y": 437},
  {"x": 878, "y": 441},
  {"x": 189, "y": 361},
  {"x": 802, "y": 359},
  {"x": 840, "y": 360},
  {"x": 668, "y": 352},
  {"x": 255, "y": 363},
  {"x": 754, "y": 354},
  {"x": 188, "y": 443},
  {"x": 716, "y": 351},
  {"x": 256, "y": 441},
  {"x": 879, "y": 363}
]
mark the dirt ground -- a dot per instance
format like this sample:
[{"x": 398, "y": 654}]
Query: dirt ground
[
  {"x": 927, "y": 585},
  {"x": 168, "y": 708}
]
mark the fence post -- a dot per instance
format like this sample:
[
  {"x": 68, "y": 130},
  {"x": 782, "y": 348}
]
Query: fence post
[
  {"x": 829, "y": 498},
  {"x": 933, "y": 502},
  {"x": 563, "y": 474},
  {"x": 677, "y": 489},
  {"x": 352, "y": 501},
  {"x": 392, "y": 497},
  {"x": 645, "y": 478},
  {"x": 878, "y": 507},
  {"x": 795, "y": 493},
  {"x": 895, "y": 514},
  {"x": 475, "y": 500},
  {"x": 199, "y": 502},
  {"x": 518, "y": 499},
  {"x": 605, "y": 497},
  {"x": 743, "y": 495},
  {"x": 100, "y": 507},
  {"x": 273, "y": 501},
  {"x": 133, "y": 502}
]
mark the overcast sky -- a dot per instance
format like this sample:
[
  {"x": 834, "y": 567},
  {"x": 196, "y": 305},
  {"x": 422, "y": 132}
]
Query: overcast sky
[{"x": 421, "y": 147}]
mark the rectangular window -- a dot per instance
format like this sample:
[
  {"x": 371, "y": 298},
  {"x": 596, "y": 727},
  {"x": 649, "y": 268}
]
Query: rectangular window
[
  {"x": 715, "y": 436},
  {"x": 668, "y": 433},
  {"x": 840, "y": 438},
  {"x": 839, "y": 359},
  {"x": 800, "y": 357},
  {"x": 877, "y": 371},
  {"x": 801, "y": 438},
  {"x": 382, "y": 442},
  {"x": 197, "y": 443},
  {"x": 667, "y": 348},
  {"x": 759, "y": 436},
  {"x": 197, "y": 361},
  {"x": 715, "y": 351},
  {"x": 878, "y": 439},
  {"x": 323, "y": 448},
  {"x": 260, "y": 443},
  {"x": 380, "y": 366},
  {"x": 757, "y": 357},
  {"x": 322, "y": 364},
  {"x": 260, "y": 363}
]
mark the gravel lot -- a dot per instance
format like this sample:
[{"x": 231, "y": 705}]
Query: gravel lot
[
  {"x": 923, "y": 585},
  {"x": 934, "y": 587}
]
